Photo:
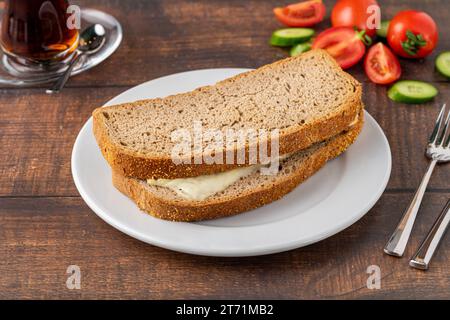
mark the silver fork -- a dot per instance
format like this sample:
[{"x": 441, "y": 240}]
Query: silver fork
[{"x": 438, "y": 150}]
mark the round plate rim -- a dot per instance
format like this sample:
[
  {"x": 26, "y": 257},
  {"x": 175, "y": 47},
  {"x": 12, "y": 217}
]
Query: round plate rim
[{"x": 180, "y": 247}]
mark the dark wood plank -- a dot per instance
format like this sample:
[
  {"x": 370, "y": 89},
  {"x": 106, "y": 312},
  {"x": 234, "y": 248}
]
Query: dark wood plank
[
  {"x": 40, "y": 235},
  {"x": 164, "y": 37},
  {"x": 40, "y": 238},
  {"x": 240, "y": 32},
  {"x": 38, "y": 132},
  {"x": 407, "y": 128},
  {"x": 37, "y": 135}
]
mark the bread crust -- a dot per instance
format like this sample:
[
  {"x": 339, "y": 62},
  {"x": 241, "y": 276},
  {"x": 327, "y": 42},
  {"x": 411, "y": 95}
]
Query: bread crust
[
  {"x": 133, "y": 164},
  {"x": 185, "y": 210}
]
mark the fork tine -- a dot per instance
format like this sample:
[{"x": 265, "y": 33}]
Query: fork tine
[
  {"x": 447, "y": 142},
  {"x": 441, "y": 141},
  {"x": 437, "y": 127}
]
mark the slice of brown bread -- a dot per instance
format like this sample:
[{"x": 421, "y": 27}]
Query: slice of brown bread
[
  {"x": 308, "y": 98},
  {"x": 248, "y": 193}
]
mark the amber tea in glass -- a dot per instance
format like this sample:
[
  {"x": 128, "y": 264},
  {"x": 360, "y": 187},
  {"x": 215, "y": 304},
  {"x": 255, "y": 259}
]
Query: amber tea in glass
[{"x": 36, "y": 31}]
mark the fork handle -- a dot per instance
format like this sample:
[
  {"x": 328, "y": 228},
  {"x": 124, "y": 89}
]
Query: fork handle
[
  {"x": 422, "y": 258},
  {"x": 399, "y": 239}
]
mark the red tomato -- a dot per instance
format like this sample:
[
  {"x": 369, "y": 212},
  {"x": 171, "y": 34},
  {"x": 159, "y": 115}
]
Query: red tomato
[
  {"x": 343, "y": 43},
  {"x": 382, "y": 65},
  {"x": 354, "y": 13},
  {"x": 412, "y": 34},
  {"x": 303, "y": 14}
]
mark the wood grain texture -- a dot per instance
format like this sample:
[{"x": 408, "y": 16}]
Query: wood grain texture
[
  {"x": 57, "y": 232},
  {"x": 45, "y": 226},
  {"x": 166, "y": 36},
  {"x": 38, "y": 133}
]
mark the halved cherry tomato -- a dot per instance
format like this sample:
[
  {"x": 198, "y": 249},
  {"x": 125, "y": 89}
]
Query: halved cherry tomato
[
  {"x": 343, "y": 43},
  {"x": 382, "y": 65},
  {"x": 412, "y": 34},
  {"x": 303, "y": 14},
  {"x": 354, "y": 13}
]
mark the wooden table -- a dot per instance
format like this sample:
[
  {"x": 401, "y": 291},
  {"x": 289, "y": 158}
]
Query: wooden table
[{"x": 45, "y": 226}]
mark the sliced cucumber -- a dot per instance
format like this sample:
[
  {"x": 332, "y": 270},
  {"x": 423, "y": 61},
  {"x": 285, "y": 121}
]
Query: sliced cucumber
[
  {"x": 289, "y": 36},
  {"x": 300, "y": 48},
  {"x": 382, "y": 32},
  {"x": 443, "y": 63},
  {"x": 411, "y": 91}
]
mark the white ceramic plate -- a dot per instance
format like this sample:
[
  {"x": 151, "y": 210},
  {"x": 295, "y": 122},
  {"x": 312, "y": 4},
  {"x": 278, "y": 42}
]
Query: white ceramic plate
[{"x": 330, "y": 201}]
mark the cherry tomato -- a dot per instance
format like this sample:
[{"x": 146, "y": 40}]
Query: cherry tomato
[
  {"x": 303, "y": 14},
  {"x": 382, "y": 65},
  {"x": 354, "y": 13},
  {"x": 412, "y": 34},
  {"x": 343, "y": 43}
]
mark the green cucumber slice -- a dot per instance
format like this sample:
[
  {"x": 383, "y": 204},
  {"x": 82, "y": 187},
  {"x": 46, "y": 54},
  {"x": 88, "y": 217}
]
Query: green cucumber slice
[
  {"x": 289, "y": 36},
  {"x": 300, "y": 48},
  {"x": 443, "y": 63},
  {"x": 382, "y": 32},
  {"x": 411, "y": 91}
]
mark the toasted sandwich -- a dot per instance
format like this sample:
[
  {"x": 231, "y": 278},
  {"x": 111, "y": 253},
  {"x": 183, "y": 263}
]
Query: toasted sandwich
[{"x": 314, "y": 107}]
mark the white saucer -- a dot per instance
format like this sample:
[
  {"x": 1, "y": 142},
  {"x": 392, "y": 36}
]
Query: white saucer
[{"x": 330, "y": 201}]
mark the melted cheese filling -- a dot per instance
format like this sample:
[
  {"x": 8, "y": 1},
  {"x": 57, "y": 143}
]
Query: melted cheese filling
[{"x": 201, "y": 187}]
